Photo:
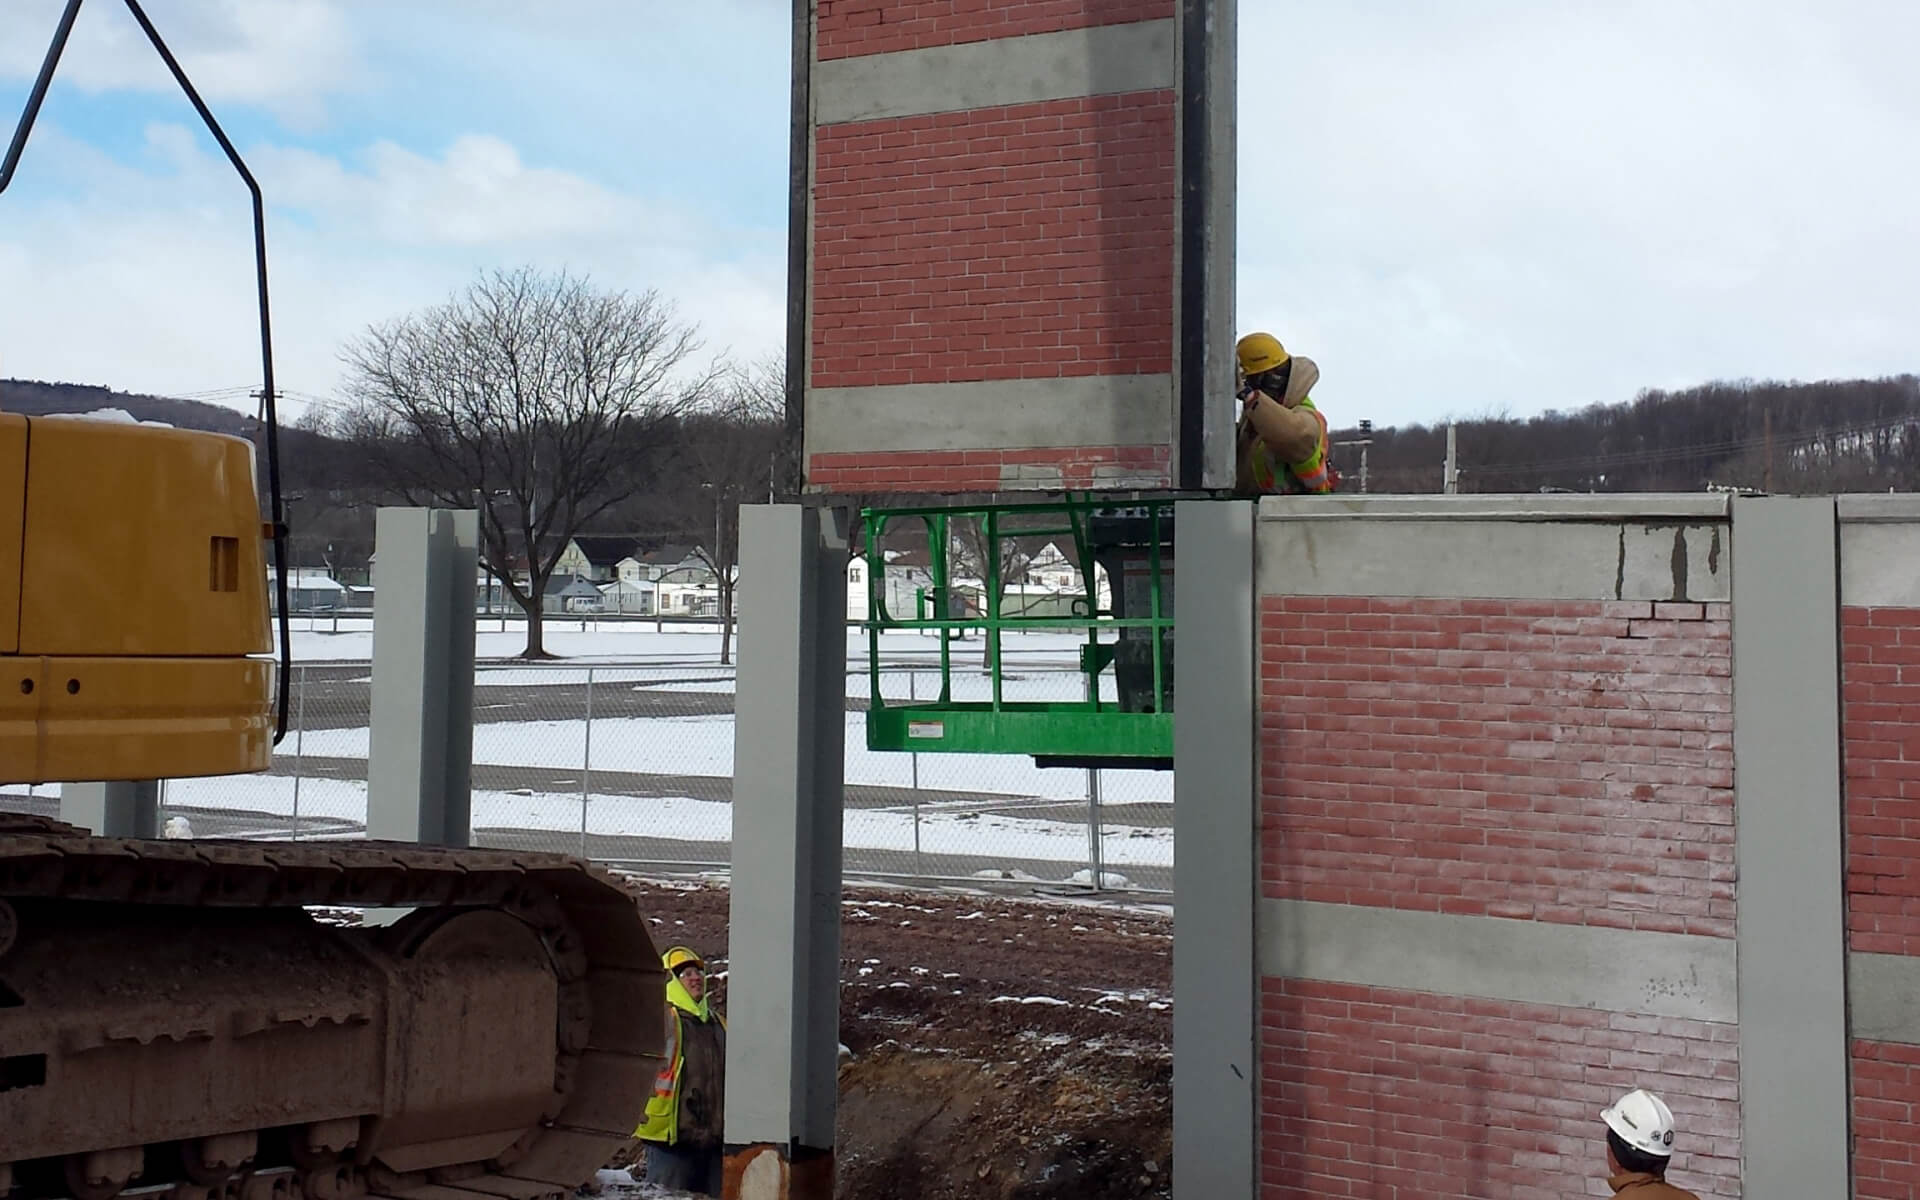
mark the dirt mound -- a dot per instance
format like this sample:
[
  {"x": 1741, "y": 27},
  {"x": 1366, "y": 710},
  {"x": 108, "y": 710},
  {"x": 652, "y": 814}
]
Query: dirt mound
[{"x": 1000, "y": 1049}]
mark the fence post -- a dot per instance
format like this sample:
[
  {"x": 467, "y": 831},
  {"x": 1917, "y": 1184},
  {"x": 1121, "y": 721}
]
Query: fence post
[
  {"x": 919, "y": 868},
  {"x": 1093, "y": 803},
  {"x": 1093, "y": 826},
  {"x": 299, "y": 749},
  {"x": 586, "y": 765}
]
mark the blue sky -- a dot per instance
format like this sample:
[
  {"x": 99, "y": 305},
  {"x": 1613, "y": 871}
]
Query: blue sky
[{"x": 1487, "y": 205}]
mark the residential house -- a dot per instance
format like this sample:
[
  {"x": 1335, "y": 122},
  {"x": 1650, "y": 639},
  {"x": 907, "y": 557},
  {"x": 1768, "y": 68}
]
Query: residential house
[
  {"x": 906, "y": 580},
  {"x": 592, "y": 557},
  {"x": 631, "y": 596},
  {"x": 309, "y": 590},
  {"x": 657, "y": 563},
  {"x": 571, "y": 594}
]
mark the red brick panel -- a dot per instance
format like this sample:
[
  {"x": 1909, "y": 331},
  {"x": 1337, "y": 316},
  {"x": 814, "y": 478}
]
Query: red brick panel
[
  {"x": 981, "y": 470},
  {"x": 1564, "y": 761},
  {"x": 1886, "y": 1099},
  {"x": 1032, "y": 241},
  {"x": 845, "y": 28},
  {"x": 1880, "y": 694},
  {"x": 1373, "y": 1092}
]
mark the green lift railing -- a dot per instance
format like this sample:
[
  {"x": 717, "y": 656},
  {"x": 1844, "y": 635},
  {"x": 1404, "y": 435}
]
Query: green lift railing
[{"x": 1132, "y": 635}]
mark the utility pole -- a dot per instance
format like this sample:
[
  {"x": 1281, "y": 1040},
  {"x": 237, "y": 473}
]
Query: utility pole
[
  {"x": 1451, "y": 480},
  {"x": 1363, "y": 441},
  {"x": 1766, "y": 426}
]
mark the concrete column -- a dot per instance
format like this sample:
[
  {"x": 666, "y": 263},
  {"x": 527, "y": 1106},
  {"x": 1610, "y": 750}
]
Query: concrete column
[
  {"x": 1203, "y": 253},
  {"x": 783, "y": 982},
  {"x": 1217, "y": 846},
  {"x": 118, "y": 809},
  {"x": 1789, "y": 847},
  {"x": 419, "y": 767}
]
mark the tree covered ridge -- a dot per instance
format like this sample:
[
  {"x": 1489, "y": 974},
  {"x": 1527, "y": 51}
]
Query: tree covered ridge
[{"x": 1831, "y": 436}]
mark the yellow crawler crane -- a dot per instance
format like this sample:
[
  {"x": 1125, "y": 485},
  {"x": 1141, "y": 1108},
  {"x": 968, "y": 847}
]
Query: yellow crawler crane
[{"x": 174, "y": 1019}]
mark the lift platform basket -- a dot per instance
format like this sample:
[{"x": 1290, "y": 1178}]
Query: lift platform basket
[{"x": 1121, "y": 615}]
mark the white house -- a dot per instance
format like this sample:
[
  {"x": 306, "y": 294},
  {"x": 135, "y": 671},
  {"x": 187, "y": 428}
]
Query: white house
[
  {"x": 627, "y": 595},
  {"x": 902, "y": 586},
  {"x": 309, "y": 590},
  {"x": 686, "y": 598}
]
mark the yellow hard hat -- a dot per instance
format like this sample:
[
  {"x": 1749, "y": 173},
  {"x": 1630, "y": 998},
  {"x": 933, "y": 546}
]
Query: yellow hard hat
[
  {"x": 679, "y": 957},
  {"x": 1260, "y": 353}
]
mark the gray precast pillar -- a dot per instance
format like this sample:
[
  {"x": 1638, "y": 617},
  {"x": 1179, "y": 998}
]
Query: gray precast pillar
[
  {"x": 420, "y": 760},
  {"x": 1791, "y": 931},
  {"x": 1216, "y": 856},
  {"x": 783, "y": 960},
  {"x": 117, "y": 809}
]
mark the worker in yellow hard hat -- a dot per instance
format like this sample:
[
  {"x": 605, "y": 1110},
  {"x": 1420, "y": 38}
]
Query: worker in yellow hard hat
[
  {"x": 683, "y": 1130},
  {"x": 1281, "y": 441}
]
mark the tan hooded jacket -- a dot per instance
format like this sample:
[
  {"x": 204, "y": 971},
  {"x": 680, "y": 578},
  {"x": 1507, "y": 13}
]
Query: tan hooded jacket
[{"x": 1293, "y": 435}]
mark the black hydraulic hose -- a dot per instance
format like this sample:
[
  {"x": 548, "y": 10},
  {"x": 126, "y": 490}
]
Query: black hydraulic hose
[{"x": 279, "y": 519}]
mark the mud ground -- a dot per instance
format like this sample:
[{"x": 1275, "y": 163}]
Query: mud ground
[{"x": 997, "y": 1048}]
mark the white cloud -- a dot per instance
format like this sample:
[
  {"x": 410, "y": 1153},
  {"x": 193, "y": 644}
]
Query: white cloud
[
  {"x": 285, "y": 55},
  {"x": 145, "y": 281},
  {"x": 478, "y": 193},
  {"x": 1493, "y": 204}
]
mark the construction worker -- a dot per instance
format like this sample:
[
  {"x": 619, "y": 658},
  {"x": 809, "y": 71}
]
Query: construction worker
[
  {"x": 1639, "y": 1146},
  {"x": 682, "y": 1130},
  {"x": 1281, "y": 443}
]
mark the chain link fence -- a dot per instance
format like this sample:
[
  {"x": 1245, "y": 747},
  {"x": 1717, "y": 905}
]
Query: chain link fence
[{"x": 632, "y": 763}]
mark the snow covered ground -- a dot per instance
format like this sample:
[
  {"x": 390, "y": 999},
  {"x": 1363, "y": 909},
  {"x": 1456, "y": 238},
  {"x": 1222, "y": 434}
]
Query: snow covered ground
[{"x": 574, "y": 757}]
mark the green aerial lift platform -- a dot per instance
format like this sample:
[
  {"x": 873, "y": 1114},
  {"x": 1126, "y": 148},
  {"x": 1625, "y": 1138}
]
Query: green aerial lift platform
[{"x": 1130, "y": 541}]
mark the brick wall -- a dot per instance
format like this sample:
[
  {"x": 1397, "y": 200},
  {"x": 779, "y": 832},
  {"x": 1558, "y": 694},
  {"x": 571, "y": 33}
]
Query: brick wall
[
  {"x": 1554, "y": 761},
  {"x": 1880, "y": 693},
  {"x": 850, "y": 27},
  {"x": 1886, "y": 1094},
  {"x": 1020, "y": 242},
  {"x": 1370, "y": 1092}
]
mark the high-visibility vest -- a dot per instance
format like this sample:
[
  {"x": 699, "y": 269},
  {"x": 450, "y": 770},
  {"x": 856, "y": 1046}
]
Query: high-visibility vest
[
  {"x": 662, "y": 1122},
  {"x": 1310, "y": 475}
]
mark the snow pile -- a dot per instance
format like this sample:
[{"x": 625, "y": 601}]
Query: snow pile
[{"x": 111, "y": 416}]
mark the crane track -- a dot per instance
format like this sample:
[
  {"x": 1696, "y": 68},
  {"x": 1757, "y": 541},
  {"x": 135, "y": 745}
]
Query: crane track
[{"x": 175, "y": 1023}]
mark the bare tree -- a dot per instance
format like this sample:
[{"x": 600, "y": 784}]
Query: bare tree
[
  {"x": 736, "y": 454},
  {"x": 535, "y": 397}
]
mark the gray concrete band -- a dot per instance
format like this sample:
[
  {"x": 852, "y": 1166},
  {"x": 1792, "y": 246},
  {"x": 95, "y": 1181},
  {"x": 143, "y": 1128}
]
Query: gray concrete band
[
  {"x": 1215, "y": 985},
  {"x": 1788, "y": 847},
  {"x": 1103, "y": 60},
  {"x": 1880, "y": 551},
  {"x": 1533, "y": 557},
  {"x": 1883, "y": 996},
  {"x": 1092, "y": 410},
  {"x": 784, "y": 921},
  {"x": 1497, "y": 958}
]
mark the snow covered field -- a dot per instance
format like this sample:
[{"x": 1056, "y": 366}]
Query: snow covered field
[{"x": 562, "y": 758}]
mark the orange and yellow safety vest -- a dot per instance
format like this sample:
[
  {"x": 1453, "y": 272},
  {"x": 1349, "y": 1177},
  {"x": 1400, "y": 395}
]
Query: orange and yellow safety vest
[{"x": 1311, "y": 475}]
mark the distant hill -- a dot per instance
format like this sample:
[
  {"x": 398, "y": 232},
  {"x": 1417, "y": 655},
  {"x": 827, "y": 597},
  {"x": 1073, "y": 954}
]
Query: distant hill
[{"x": 35, "y": 399}]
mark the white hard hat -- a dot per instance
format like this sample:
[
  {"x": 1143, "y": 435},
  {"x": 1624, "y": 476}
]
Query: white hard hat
[{"x": 1642, "y": 1121}]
